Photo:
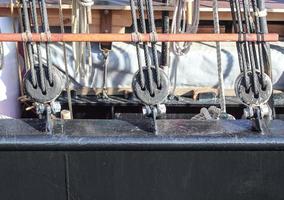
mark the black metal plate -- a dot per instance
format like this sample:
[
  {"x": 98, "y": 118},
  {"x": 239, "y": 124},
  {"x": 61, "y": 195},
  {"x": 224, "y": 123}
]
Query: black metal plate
[
  {"x": 85, "y": 160},
  {"x": 141, "y": 175}
]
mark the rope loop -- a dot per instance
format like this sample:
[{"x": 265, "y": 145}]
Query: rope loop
[
  {"x": 48, "y": 36},
  {"x": 260, "y": 37},
  {"x": 153, "y": 37},
  {"x": 86, "y": 3},
  {"x": 242, "y": 37},
  {"x": 260, "y": 13},
  {"x": 45, "y": 36},
  {"x": 136, "y": 37},
  {"x": 12, "y": 5},
  {"x": 27, "y": 36}
]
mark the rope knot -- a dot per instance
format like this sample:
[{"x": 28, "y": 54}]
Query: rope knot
[
  {"x": 86, "y": 3},
  {"x": 27, "y": 36},
  {"x": 260, "y": 13},
  {"x": 153, "y": 37},
  {"x": 136, "y": 37}
]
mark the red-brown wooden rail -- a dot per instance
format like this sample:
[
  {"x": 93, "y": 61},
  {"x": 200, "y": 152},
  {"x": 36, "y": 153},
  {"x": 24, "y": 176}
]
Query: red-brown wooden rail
[{"x": 69, "y": 37}]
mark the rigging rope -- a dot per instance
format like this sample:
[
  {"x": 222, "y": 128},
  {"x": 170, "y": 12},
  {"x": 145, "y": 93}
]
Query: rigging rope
[
  {"x": 253, "y": 86},
  {"x": 145, "y": 45},
  {"x": 39, "y": 57},
  {"x": 251, "y": 60},
  {"x": 184, "y": 23},
  {"x": 81, "y": 20},
  {"x": 138, "y": 50},
  {"x": 185, "y": 20},
  {"x": 152, "y": 30},
  {"x": 219, "y": 58},
  {"x": 27, "y": 29},
  {"x": 65, "y": 61},
  {"x": 40, "y": 75},
  {"x": 46, "y": 30}
]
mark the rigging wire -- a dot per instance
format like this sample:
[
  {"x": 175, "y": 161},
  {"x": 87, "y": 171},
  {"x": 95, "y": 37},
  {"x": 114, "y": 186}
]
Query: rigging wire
[
  {"x": 253, "y": 59},
  {"x": 46, "y": 30},
  {"x": 152, "y": 30},
  {"x": 27, "y": 29},
  {"x": 252, "y": 54},
  {"x": 259, "y": 44},
  {"x": 34, "y": 21},
  {"x": 145, "y": 45},
  {"x": 244, "y": 60},
  {"x": 138, "y": 50},
  {"x": 183, "y": 22},
  {"x": 68, "y": 90},
  {"x": 219, "y": 58},
  {"x": 81, "y": 20}
]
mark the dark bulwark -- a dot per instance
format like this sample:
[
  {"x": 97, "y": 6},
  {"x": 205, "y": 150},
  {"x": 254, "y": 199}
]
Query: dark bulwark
[{"x": 115, "y": 159}]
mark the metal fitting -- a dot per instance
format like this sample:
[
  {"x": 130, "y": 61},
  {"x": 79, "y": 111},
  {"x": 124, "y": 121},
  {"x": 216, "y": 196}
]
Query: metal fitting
[
  {"x": 248, "y": 112},
  {"x": 265, "y": 111},
  {"x": 160, "y": 109},
  {"x": 40, "y": 108},
  {"x": 55, "y": 107}
]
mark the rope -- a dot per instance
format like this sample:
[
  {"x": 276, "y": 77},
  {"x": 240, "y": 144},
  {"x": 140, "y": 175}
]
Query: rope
[
  {"x": 244, "y": 61},
  {"x": 252, "y": 57},
  {"x": 145, "y": 46},
  {"x": 12, "y": 5},
  {"x": 26, "y": 36},
  {"x": 85, "y": 3},
  {"x": 105, "y": 65},
  {"x": 212, "y": 113},
  {"x": 46, "y": 30},
  {"x": 219, "y": 58},
  {"x": 153, "y": 38},
  {"x": 36, "y": 29},
  {"x": 182, "y": 23},
  {"x": 259, "y": 43},
  {"x": 81, "y": 20},
  {"x": 21, "y": 21},
  {"x": 61, "y": 17},
  {"x": 30, "y": 17},
  {"x": 260, "y": 13},
  {"x": 136, "y": 38},
  {"x": 253, "y": 54}
]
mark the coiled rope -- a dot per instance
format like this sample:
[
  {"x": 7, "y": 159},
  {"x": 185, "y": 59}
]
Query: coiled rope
[
  {"x": 184, "y": 23},
  {"x": 81, "y": 20}
]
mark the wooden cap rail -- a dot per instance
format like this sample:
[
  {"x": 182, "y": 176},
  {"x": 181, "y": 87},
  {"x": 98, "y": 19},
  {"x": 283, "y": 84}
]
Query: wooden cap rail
[{"x": 69, "y": 37}]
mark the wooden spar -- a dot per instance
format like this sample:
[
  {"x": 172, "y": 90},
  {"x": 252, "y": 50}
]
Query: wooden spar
[{"x": 68, "y": 37}]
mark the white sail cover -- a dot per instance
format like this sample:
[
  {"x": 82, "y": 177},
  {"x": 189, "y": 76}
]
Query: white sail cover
[{"x": 9, "y": 85}]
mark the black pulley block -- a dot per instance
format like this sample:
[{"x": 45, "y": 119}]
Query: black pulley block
[
  {"x": 247, "y": 96},
  {"x": 144, "y": 95},
  {"x": 52, "y": 90}
]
